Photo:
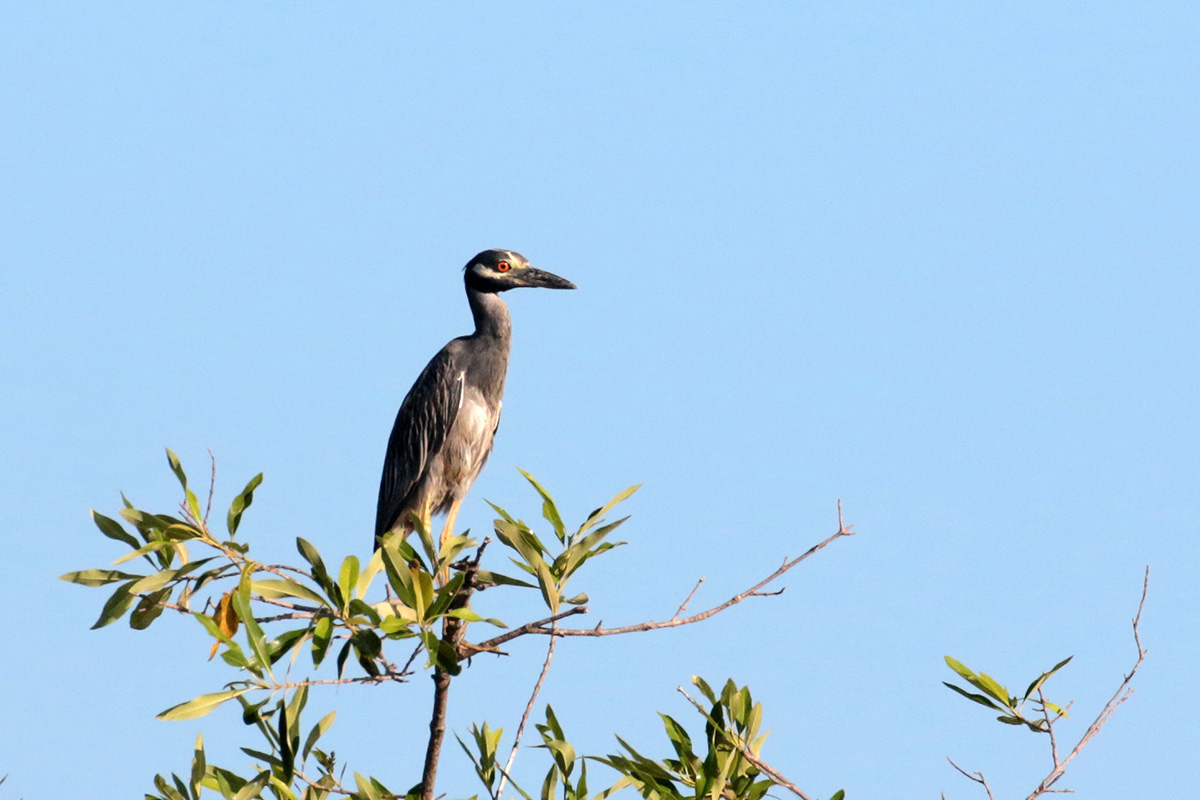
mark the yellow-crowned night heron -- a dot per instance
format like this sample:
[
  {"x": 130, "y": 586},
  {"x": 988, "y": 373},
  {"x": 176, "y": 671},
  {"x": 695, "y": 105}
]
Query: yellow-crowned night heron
[{"x": 444, "y": 429}]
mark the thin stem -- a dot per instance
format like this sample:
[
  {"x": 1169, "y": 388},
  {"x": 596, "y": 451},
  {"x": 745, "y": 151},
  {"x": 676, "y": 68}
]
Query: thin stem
[
  {"x": 212, "y": 485},
  {"x": 683, "y": 606},
  {"x": 975, "y": 776},
  {"x": 674, "y": 622},
  {"x": 490, "y": 645},
  {"x": 512, "y": 754},
  {"x": 1049, "y": 728}
]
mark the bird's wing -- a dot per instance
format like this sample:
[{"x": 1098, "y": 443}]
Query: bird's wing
[{"x": 420, "y": 430}]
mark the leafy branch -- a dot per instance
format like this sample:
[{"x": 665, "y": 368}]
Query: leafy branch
[{"x": 995, "y": 697}]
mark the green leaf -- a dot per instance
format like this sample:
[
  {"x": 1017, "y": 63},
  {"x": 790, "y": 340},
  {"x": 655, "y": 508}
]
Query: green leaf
[
  {"x": 400, "y": 576},
  {"x": 319, "y": 573},
  {"x": 254, "y": 634},
  {"x": 441, "y": 654},
  {"x": 366, "y": 788},
  {"x": 152, "y": 583},
  {"x": 549, "y": 509},
  {"x": 199, "y": 767},
  {"x": 840, "y": 794},
  {"x": 595, "y": 517},
  {"x": 177, "y": 468},
  {"x": 254, "y": 788},
  {"x": 960, "y": 668},
  {"x": 273, "y": 588},
  {"x": 704, "y": 688},
  {"x": 148, "y": 609},
  {"x": 348, "y": 576},
  {"x": 322, "y": 636},
  {"x": 374, "y": 567},
  {"x": 1041, "y": 679},
  {"x": 1007, "y": 720},
  {"x": 318, "y": 731},
  {"x": 241, "y": 503},
  {"x": 202, "y": 705},
  {"x": 116, "y": 605},
  {"x": 193, "y": 503},
  {"x": 467, "y": 615},
  {"x": 97, "y": 577},
  {"x": 978, "y": 698},
  {"x": 1056, "y": 709},
  {"x": 113, "y": 530},
  {"x": 487, "y": 578},
  {"x": 993, "y": 687},
  {"x": 150, "y": 547},
  {"x": 422, "y": 590},
  {"x": 548, "y": 586},
  {"x": 503, "y": 514}
]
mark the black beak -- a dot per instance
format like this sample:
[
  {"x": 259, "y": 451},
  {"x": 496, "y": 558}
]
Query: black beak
[{"x": 532, "y": 276}]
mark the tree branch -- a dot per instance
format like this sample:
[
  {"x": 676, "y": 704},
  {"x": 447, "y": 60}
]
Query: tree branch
[
  {"x": 490, "y": 645},
  {"x": 537, "y": 687},
  {"x": 452, "y": 634},
  {"x": 975, "y": 776},
  {"x": 676, "y": 621},
  {"x": 1120, "y": 696},
  {"x": 683, "y": 606}
]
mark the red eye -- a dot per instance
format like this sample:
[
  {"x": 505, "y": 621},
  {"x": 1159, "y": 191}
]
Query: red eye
[{"x": 503, "y": 266}]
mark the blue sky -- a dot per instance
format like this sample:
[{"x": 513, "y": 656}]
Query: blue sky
[{"x": 938, "y": 261}]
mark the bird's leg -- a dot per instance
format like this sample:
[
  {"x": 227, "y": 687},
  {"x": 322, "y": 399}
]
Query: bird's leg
[{"x": 447, "y": 532}]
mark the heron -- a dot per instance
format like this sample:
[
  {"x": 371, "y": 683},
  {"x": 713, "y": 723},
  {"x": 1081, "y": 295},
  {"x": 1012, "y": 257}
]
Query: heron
[{"x": 445, "y": 427}]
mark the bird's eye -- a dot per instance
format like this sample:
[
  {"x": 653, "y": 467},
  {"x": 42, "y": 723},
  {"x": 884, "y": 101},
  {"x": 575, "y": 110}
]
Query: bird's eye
[{"x": 503, "y": 266}]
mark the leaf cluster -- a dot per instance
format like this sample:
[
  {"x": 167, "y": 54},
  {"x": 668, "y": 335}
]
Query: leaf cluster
[
  {"x": 268, "y": 622},
  {"x": 716, "y": 769},
  {"x": 1012, "y": 709}
]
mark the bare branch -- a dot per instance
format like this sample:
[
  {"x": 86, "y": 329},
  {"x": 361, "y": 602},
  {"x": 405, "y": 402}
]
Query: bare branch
[
  {"x": 490, "y": 645},
  {"x": 384, "y": 677},
  {"x": 512, "y": 754},
  {"x": 295, "y": 607},
  {"x": 1120, "y": 696},
  {"x": 212, "y": 485},
  {"x": 975, "y": 776},
  {"x": 1049, "y": 727},
  {"x": 283, "y": 617},
  {"x": 683, "y": 606},
  {"x": 747, "y": 754},
  {"x": 675, "y": 622}
]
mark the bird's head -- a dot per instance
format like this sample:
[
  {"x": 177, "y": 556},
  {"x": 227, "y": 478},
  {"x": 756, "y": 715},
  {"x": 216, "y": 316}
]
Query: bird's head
[{"x": 501, "y": 270}]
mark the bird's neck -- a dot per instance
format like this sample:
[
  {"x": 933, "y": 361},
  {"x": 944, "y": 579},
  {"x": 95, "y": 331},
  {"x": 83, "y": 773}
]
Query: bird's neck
[{"x": 491, "y": 314}]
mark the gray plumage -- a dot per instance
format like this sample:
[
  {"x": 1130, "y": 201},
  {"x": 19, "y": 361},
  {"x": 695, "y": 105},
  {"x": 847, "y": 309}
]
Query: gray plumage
[{"x": 445, "y": 427}]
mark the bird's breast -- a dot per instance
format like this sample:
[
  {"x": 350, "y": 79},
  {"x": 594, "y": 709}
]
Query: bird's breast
[{"x": 470, "y": 440}]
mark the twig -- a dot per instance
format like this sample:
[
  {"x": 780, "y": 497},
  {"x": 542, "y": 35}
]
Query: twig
[
  {"x": 337, "y": 787},
  {"x": 683, "y": 606},
  {"x": 675, "y": 622},
  {"x": 1049, "y": 727},
  {"x": 287, "y": 604},
  {"x": 747, "y": 754},
  {"x": 1120, "y": 696},
  {"x": 490, "y": 645},
  {"x": 975, "y": 776},
  {"x": 212, "y": 485},
  {"x": 282, "y": 617},
  {"x": 384, "y": 677},
  {"x": 537, "y": 687},
  {"x": 416, "y": 651}
]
